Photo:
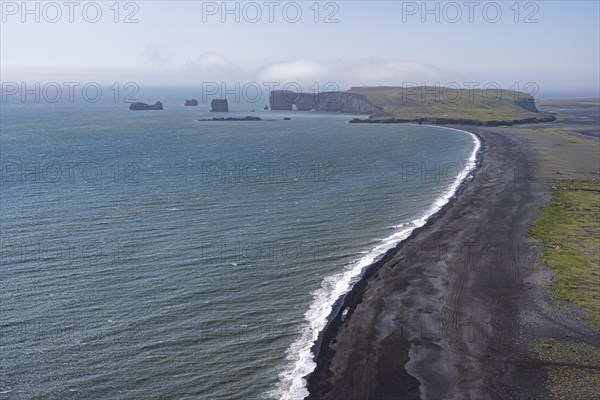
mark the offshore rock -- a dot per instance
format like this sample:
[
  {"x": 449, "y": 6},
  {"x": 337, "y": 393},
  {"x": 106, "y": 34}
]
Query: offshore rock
[
  {"x": 143, "y": 106},
  {"x": 219, "y": 105}
]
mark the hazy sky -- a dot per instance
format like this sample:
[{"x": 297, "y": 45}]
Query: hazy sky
[{"x": 552, "y": 43}]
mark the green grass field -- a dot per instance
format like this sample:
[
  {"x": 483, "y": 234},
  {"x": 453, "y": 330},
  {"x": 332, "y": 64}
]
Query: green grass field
[
  {"x": 571, "y": 104},
  {"x": 569, "y": 229}
]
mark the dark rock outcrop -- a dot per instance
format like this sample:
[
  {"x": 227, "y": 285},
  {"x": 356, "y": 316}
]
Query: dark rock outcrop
[
  {"x": 219, "y": 105},
  {"x": 456, "y": 121},
  {"x": 191, "y": 102},
  {"x": 143, "y": 106},
  {"x": 248, "y": 118},
  {"x": 346, "y": 102},
  {"x": 266, "y": 108}
]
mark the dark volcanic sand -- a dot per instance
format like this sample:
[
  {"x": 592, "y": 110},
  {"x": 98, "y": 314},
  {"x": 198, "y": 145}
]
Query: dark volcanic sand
[{"x": 453, "y": 312}]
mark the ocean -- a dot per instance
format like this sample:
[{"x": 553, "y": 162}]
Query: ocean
[{"x": 146, "y": 254}]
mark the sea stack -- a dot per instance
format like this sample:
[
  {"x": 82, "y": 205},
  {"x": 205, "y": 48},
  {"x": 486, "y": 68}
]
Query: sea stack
[
  {"x": 191, "y": 102},
  {"x": 219, "y": 105},
  {"x": 143, "y": 106}
]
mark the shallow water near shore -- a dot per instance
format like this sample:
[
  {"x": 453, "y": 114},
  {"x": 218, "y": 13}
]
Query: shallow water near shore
[{"x": 148, "y": 254}]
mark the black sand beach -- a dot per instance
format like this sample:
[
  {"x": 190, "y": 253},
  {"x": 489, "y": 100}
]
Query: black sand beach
[{"x": 458, "y": 310}]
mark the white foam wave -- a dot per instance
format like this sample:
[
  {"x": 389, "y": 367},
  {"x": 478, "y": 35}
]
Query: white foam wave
[{"x": 292, "y": 385}]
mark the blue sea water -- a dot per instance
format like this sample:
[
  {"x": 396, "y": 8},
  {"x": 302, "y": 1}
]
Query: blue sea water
[{"x": 150, "y": 255}]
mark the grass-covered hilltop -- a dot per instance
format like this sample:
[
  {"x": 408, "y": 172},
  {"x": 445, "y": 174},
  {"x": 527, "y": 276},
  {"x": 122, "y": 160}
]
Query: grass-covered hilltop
[
  {"x": 444, "y": 105},
  {"x": 429, "y": 104}
]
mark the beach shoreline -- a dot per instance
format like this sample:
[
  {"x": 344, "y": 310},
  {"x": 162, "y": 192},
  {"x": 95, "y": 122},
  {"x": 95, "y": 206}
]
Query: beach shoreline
[
  {"x": 453, "y": 310},
  {"x": 316, "y": 381}
]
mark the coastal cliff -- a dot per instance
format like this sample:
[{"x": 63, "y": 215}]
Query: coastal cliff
[
  {"x": 527, "y": 103},
  {"x": 345, "y": 102}
]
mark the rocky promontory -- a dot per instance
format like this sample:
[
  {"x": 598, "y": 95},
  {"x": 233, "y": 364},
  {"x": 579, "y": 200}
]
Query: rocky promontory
[
  {"x": 219, "y": 105},
  {"x": 345, "y": 102},
  {"x": 143, "y": 106}
]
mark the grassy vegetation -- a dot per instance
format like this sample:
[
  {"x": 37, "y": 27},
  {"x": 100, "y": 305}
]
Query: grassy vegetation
[
  {"x": 571, "y": 104},
  {"x": 430, "y": 102},
  {"x": 566, "y": 132},
  {"x": 569, "y": 229},
  {"x": 559, "y": 154}
]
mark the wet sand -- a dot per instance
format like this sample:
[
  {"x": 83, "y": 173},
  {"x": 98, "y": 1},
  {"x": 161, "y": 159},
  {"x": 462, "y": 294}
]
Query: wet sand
[{"x": 454, "y": 312}]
